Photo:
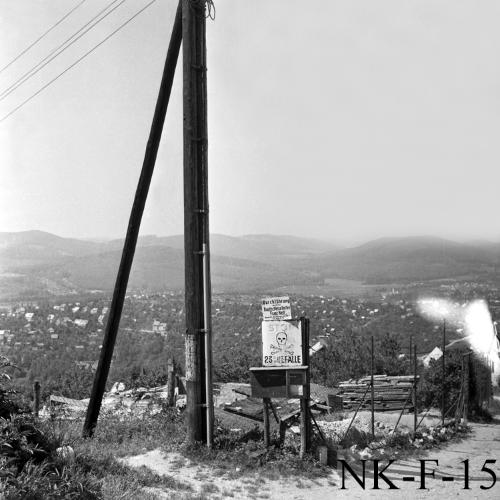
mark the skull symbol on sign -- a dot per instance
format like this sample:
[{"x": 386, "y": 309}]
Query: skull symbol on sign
[{"x": 281, "y": 339}]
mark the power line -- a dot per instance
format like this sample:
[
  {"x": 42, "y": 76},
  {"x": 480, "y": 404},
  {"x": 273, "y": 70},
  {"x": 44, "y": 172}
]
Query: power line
[
  {"x": 47, "y": 59},
  {"x": 77, "y": 61},
  {"x": 41, "y": 36}
]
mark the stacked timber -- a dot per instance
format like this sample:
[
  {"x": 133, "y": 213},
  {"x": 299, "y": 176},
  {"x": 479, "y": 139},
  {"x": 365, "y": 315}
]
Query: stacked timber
[{"x": 391, "y": 393}]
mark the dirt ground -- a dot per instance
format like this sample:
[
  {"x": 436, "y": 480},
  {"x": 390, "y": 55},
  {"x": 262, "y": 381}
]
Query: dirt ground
[{"x": 482, "y": 444}]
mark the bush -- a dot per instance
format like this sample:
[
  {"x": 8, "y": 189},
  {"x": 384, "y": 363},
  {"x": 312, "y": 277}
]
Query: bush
[
  {"x": 31, "y": 469},
  {"x": 430, "y": 389},
  {"x": 7, "y": 404}
]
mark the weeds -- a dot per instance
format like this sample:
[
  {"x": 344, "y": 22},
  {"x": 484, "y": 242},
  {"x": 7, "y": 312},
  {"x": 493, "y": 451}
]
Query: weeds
[
  {"x": 245, "y": 453},
  {"x": 31, "y": 469}
]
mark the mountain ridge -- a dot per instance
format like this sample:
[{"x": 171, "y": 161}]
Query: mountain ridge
[{"x": 239, "y": 263}]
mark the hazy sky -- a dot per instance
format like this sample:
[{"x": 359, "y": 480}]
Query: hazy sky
[{"x": 338, "y": 119}]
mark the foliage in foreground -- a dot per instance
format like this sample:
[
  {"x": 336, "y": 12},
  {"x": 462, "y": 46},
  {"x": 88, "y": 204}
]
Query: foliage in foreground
[
  {"x": 31, "y": 468},
  {"x": 239, "y": 453},
  {"x": 430, "y": 390}
]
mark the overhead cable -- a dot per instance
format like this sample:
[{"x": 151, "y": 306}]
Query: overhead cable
[
  {"x": 50, "y": 57},
  {"x": 77, "y": 61},
  {"x": 41, "y": 36}
]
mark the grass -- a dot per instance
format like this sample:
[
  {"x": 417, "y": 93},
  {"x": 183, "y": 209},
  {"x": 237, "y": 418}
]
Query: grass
[
  {"x": 97, "y": 472},
  {"x": 236, "y": 455},
  {"x": 31, "y": 468},
  {"x": 242, "y": 455}
]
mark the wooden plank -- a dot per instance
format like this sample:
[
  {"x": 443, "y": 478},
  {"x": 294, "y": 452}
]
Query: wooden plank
[{"x": 246, "y": 415}]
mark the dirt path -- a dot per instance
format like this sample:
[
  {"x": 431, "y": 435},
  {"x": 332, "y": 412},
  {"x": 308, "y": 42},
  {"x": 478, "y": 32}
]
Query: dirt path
[{"x": 483, "y": 444}]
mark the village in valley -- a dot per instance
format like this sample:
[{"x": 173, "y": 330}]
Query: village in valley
[
  {"x": 35, "y": 333},
  {"x": 55, "y": 345}
]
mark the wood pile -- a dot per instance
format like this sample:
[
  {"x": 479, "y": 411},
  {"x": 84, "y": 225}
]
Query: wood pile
[{"x": 390, "y": 393}]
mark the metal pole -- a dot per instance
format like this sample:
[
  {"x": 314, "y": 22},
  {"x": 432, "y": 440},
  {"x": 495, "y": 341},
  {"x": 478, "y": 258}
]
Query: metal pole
[
  {"x": 415, "y": 413},
  {"x": 443, "y": 364},
  {"x": 195, "y": 212},
  {"x": 401, "y": 414},
  {"x": 373, "y": 386},
  {"x": 305, "y": 422},
  {"x": 133, "y": 228},
  {"x": 208, "y": 346},
  {"x": 466, "y": 388},
  {"x": 355, "y": 413}
]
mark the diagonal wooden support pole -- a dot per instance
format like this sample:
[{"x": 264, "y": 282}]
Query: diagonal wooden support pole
[{"x": 133, "y": 227}]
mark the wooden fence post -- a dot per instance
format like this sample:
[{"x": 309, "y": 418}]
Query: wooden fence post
[
  {"x": 36, "y": 398},
  {"x": 267, "y": 432},
  {"x": 170, "y": 382}
]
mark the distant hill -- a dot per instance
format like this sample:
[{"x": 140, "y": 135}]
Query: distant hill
[
  {"x": 157, "y": 267},
  {"x": 393, "y": 260},
  {"x": 34, "y": 262},
  {"x": 33, "y": 247},
  {"x": 259, "y": 247},
  {"x": 44, "y": 263},
  {"x": 36, "y": 247}
]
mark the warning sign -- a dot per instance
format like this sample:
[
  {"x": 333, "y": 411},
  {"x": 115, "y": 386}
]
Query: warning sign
[
  {"x": 281, "y": 343},
  {"x": 276, "y": 308}
]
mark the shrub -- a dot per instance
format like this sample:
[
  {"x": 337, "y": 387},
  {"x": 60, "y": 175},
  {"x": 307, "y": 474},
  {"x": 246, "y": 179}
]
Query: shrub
[{"x": 430, "y": 389}]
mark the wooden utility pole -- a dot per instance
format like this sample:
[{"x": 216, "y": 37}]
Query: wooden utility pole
[
  {"x": 196, "y": 230},
  {"x": 120, "y": 289}
]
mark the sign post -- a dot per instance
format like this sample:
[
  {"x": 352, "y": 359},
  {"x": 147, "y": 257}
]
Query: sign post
[
  {"x": 305, "y": 420},
  {"x": 285, "y": 365}
]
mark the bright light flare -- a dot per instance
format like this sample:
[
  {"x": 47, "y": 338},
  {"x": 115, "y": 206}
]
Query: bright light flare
[{"x": 475, "y": 319}]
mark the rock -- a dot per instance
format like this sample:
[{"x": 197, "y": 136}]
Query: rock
[
  {"x": 323, "y": 455},
  {"x": 66, "y": 453},
  {"x": 355, "y": 436},
  {"x": 117, "y": 387}
]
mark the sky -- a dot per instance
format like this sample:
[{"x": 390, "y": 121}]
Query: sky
[{"x": 343, "y": 120}]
